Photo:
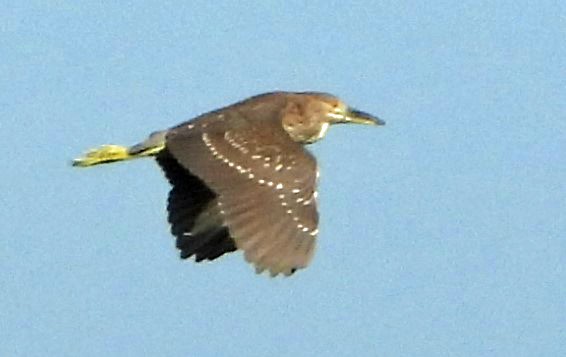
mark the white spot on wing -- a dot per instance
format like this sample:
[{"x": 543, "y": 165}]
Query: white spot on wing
[{"x": 237, "y": 143}]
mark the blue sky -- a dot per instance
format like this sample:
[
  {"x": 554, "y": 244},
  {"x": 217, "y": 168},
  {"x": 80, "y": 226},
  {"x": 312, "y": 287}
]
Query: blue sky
[{"x": 442, "y": 233}]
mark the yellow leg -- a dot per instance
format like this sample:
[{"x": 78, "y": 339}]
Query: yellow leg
[
  {"x": 112, "y": 153},
  {"x": 102, "y": 155}
]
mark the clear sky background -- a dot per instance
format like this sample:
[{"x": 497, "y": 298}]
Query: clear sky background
[{"x": 442, "y": 233}]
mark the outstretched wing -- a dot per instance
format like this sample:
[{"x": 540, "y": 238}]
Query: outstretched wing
[{"x": 265, "y": 185}]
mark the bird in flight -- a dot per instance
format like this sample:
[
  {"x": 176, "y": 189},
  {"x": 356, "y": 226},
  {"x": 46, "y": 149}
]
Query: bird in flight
[{"x": 242, "y": 178}]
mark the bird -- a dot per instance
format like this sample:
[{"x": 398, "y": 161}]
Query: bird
[{"x": 242, "y": 178}]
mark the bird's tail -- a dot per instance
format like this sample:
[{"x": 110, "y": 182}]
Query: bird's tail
[{"x": 106, "y": 154}]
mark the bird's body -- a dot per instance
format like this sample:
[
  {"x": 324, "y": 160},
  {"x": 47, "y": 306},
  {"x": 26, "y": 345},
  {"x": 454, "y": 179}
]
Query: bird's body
[{"x": 242, "y": 178}]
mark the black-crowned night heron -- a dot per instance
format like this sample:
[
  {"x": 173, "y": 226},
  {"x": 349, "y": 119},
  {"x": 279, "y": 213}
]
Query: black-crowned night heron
[{"x": 242, "y": 178}]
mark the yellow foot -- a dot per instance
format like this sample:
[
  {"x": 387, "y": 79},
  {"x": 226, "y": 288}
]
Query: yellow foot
[{"x": 102, "y": 155}]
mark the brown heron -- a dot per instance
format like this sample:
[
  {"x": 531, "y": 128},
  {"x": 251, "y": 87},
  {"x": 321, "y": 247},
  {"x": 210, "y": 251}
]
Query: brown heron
[{"x": 241, "y": 177}]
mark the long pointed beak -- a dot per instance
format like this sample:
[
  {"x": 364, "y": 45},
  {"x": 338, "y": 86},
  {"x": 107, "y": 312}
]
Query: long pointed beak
[{"x": 358, "y": 117}]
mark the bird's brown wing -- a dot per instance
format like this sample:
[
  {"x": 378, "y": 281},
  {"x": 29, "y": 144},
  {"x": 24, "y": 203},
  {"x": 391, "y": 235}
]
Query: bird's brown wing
[{"x": 265, "y": 183}]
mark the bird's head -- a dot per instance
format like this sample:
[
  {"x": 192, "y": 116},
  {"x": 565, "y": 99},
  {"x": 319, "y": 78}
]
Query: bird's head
[{"x": 307, "y": 116}]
